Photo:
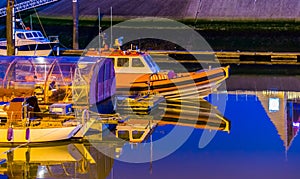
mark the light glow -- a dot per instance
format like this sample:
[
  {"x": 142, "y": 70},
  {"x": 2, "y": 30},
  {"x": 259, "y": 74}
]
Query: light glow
[{"x": 274, "y": 104}]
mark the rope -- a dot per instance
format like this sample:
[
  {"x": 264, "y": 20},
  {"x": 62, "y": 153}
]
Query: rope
[{"x": 43, "y": 29}]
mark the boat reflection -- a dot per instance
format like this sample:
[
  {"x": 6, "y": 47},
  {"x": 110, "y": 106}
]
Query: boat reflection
[
  {"x": 46, "y": 161},
  {"x": 197, "y": 113}
]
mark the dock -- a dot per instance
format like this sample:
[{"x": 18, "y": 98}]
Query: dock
[
  {"x": 226, "y": 57},
  {"x": 234, "y": 57}
]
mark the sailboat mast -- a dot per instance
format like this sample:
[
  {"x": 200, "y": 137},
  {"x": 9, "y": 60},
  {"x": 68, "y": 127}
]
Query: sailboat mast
[
  {"x": 111, "y": 35},
  {"x": 99, "y": 26},
  {"x": 75, "y": 23},
  {"x": 10, "y": 27}
]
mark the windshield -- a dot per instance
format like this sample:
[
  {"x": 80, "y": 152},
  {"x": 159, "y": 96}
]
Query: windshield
[{"x": 154, "y": 67}]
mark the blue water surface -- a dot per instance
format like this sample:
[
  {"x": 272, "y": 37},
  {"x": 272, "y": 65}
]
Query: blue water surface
[{"x": 252, "y": 149}]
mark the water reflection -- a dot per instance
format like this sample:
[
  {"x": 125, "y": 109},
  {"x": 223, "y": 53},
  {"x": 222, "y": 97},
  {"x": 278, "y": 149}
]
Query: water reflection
[
  {"x": 187, "y": 113},
  {"x": 254, "y": 118},
  {"x": 46, "y": 160},
  {"x": 283, "y": 109},
  {"x": 252, "y": 149}
]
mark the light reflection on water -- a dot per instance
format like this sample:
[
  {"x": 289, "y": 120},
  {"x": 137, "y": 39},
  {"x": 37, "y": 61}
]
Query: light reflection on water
[{"x": 262, "y": 143}]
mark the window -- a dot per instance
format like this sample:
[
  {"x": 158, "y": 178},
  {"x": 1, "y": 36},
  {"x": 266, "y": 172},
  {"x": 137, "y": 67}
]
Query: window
[
  {"x": 29, "y": 35},
  {"x": 136, "y": 62},
  {"x": 123, "y": 62},
  {"x": 40, "y": 34},
  {"x": 35, "y": 34},
  {"x": 148, "y": 61},
  {"x": 21, "y": 35}
]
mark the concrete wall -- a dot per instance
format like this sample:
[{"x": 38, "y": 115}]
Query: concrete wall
[{"x": 207, "y": 9}]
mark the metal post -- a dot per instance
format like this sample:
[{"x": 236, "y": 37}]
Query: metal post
[
  {"x": 75, "y": 23},
  {"x": 31, "y": 27},
  {"x": 99, "y": 21},
  {"x": 10, "y": 28},
  {"x": 111, "y": 36}
]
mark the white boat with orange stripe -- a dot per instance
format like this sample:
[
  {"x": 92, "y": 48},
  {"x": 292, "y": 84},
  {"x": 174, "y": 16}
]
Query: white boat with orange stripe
[{"x": 137, "y": 73}]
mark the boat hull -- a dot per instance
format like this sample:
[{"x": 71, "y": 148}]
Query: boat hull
[
  {"x": 46, "y": 52},
  {"x": 19, "y": 135},
  {"x": 186, "y": 85}
]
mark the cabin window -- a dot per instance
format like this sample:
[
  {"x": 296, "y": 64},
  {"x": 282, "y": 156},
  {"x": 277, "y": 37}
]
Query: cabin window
[
  {"x": 21, "y": 35},
  {"x": 148, "y": 61},
  {"x": 29, "y": 35},
  {"x": 123, "y": 62},
  {"x": 136, "y": 62},
  {"x": 57, "y": 110},
  {"x": 35, "y": 34},
  {"x": 40, "y": 34}
]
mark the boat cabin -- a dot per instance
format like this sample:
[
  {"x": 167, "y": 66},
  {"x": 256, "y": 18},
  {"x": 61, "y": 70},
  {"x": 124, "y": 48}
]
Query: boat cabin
[
  {"x": 89, "y": 80},
  {"x": 29, "y": 34},
  {"x": 31, "y": 43},
  {"x": 129, "y": 61},
  {"x": 128, "y": 65}
]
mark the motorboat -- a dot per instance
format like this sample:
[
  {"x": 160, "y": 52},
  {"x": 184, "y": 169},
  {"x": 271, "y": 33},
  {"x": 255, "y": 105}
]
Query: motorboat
[
  {"x": 31, "y": 43},
  {"x": 137, "y": 73}
]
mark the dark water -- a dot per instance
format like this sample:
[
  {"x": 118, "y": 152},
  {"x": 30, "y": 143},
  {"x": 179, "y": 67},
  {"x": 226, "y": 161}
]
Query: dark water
[{"x": 262, "y": 143}]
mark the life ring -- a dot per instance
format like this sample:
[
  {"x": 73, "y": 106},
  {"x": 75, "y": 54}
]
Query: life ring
[{"x": 85, "y": 116}]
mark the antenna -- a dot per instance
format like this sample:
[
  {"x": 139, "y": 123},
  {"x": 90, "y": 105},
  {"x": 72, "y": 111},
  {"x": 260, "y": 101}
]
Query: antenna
[
  {"x": 111, "y": 36},
  {"x": 31, "y": 22},
  {"x": 99, "y": 21}
]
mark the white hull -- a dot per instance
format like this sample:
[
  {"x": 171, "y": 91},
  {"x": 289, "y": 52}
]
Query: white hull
[
  {"x": 28, "y": 53},
  {"x": 39, "y": 134}
]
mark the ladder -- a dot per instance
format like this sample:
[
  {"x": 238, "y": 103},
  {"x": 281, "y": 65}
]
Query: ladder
[{"x": 30, "y": 4}]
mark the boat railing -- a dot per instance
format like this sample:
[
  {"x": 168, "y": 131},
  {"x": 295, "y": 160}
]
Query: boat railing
[
  {"x": 53, "y": 39},
  {"x": 32, "y": 119}
]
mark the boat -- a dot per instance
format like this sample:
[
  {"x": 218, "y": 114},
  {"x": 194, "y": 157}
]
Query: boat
[
  {"x": 28, "y": 42},
  {"x": 31, "y": 43},
  {"x": 26, "y": 123},
  {"x": 58, "y": 85},
  {"x": 137, "y": 73}
]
